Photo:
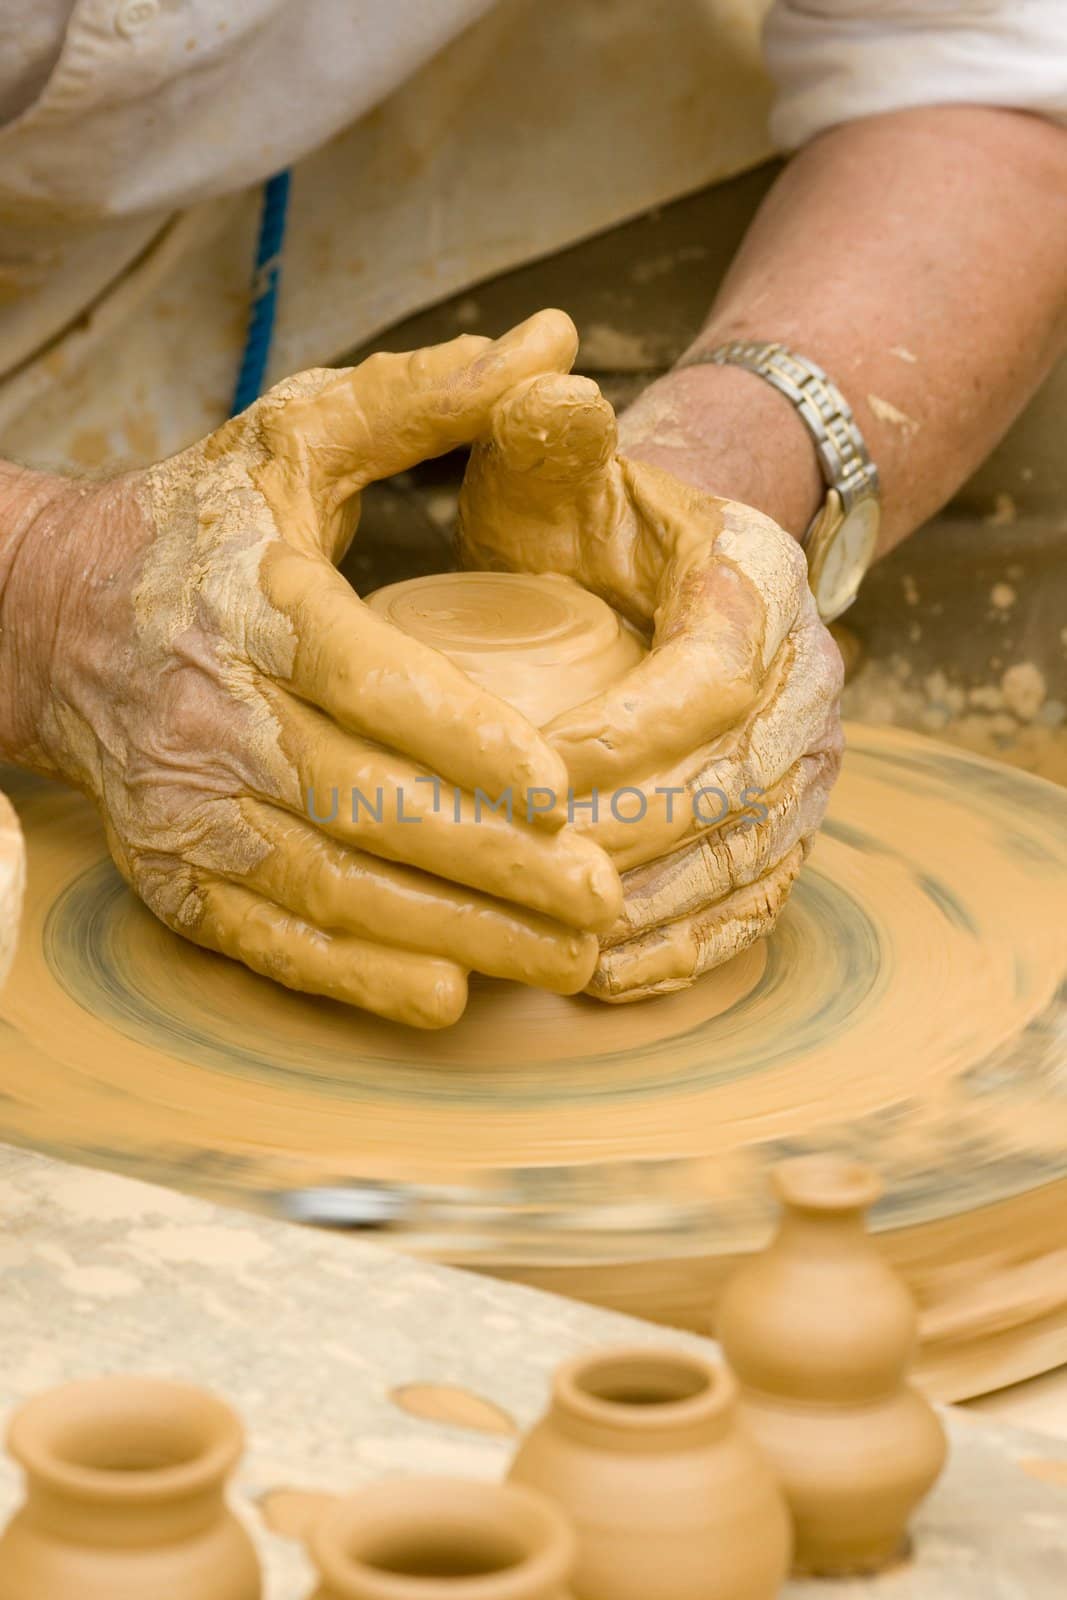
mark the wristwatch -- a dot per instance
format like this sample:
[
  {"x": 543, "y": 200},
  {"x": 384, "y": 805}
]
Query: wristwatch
[{"x": 840, "y": 539}]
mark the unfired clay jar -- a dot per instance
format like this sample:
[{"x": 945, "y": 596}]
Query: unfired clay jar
[
  {"x": 12, "y": 882},
  {"x": 821, "y": 1332},
  {"x": 443, "y": 1539},
  {"x": 541, "y": 642},
  {"x": 669, "y": 1497},
  {"x": 125, "y": 1496}
]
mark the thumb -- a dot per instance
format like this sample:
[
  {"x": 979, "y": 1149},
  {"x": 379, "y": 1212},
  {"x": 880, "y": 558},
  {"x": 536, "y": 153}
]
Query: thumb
[
  {"x": 553, "y": 429},
  {"x": 541, "y": 476}
]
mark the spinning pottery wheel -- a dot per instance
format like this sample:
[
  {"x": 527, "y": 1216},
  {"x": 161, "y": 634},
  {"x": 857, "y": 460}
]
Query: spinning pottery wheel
[{"x": 911, "y": 1010}]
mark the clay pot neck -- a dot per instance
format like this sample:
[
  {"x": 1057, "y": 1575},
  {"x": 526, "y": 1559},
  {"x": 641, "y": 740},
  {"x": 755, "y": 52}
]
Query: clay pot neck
[
  {"x": 438, "y": 1539},
  {"x": 824, "y": 1201},
  {"x": 825, "y": 1233},
  {"x": 124, "y": 1461},
  {"x": 643, "y": 1401},
  {"x": 120, "y": 1524}
]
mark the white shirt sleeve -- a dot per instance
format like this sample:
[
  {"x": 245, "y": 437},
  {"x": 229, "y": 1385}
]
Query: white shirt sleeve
[{"x": 835, "y": 60}]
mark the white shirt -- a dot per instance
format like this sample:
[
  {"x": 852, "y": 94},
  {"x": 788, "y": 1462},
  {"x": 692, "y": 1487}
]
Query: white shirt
[
  {"x": 237, "y": 91},
  {"x": 436, "y": 142},
  {"x": 835, "y": 60}
]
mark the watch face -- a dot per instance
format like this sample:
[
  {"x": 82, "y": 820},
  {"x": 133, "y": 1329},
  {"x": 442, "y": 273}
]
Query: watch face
[{"x": 846, "y": 558}]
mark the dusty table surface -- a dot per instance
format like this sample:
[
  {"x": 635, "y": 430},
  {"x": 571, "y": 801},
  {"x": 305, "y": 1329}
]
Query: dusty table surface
[
  {"x": 318, "y": 1339},
  {"x": 1040, "y": 1403}
]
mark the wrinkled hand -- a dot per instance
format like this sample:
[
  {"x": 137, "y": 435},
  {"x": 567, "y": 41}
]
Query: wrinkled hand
[
  {"x": 735, "y": 709},
  {"x": 221, "y": 692}
]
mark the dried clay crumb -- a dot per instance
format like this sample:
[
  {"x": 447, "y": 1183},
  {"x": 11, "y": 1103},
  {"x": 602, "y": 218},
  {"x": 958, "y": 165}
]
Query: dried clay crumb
[
  {"x": 886, "y": 411},
  {"x": 1004, "y": 512},
  {"x": 1013, "y": 719}
]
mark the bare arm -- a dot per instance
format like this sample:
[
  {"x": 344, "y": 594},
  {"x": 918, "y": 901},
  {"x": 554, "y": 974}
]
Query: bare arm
[
  {"x": 921, "y": 258},
  {"x": 40, "y": 516}
]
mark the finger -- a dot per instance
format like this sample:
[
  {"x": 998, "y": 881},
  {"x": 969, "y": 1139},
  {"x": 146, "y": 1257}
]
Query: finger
[
  {"x": 334, "y": 888},
  {"x": 730, "y": 857},
  {"x": 672, "y": 955},
  {"x": 366, "y": 674},
  {"x": 395, "y": 410},
  {"x": 732, "y": 587},
  {"x": 547, "y": 461},
  {"x": 642, "y": 821},
  {"x": 382, "y": 803},
  {"x": 700, "y": 679},
  {"x": 399, "y": 984},
  {"x": 797, "y": 714}
]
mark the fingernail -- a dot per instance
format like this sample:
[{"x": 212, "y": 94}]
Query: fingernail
[{"x": 552, "y": 330}]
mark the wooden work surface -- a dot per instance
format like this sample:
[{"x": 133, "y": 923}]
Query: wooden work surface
[{"x": 350, "y": 1363}]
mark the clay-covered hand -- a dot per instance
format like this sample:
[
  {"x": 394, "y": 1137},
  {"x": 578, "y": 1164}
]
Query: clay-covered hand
[
  {"x": 285, "y": 777},
  {"x": 711, "y": 760}
]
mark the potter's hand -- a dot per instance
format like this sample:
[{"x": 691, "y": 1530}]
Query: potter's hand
[
  {"x": 264, "y": 747},
  {"x": 728, "y": 729}
]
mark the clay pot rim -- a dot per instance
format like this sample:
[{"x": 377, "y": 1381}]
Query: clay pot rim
[
  {"x": 33, "y": 1431},
  {"x": 537, "y": 651},
  {"x": 715, "y": 1397},
  {"x": 826, "y": 1183},
  {"x": 332, "y": 1534}
]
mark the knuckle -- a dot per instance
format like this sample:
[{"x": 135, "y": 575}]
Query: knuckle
[{"x": 171, "y": 889}]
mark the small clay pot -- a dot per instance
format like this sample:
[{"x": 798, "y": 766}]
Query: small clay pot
[
  {"x": 537, "y": 640},
  {"x": 821, "y": 1332},
  {"x": 125, "y": 1496},
  {"x": 668, "y": 1494},
  {"x": 443, "y": 1539}
]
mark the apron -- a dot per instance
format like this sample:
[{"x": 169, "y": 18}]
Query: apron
[{"x": 542, "y": 123}]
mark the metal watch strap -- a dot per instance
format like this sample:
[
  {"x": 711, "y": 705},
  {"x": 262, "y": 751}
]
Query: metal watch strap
[{"x": 843, "y": 455}]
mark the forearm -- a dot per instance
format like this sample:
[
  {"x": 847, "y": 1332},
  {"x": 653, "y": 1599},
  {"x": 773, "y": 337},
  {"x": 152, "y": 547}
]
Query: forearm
[
  {"x": 59, "y": 543},
  {"x": 921, "y": 258},
  {"x": 29, "y": 513}
]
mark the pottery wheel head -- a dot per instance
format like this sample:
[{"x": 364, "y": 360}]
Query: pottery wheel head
[{"x": 909, "y": 1011}]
